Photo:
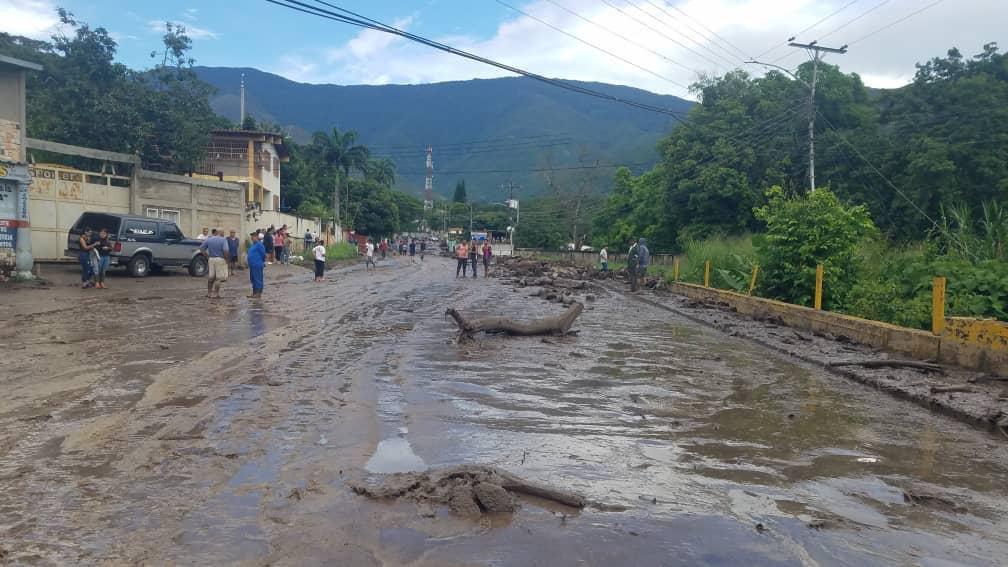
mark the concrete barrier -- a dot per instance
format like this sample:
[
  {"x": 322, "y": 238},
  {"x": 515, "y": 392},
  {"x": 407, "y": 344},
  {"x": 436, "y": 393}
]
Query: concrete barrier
[{"x": 969, "y": 343}]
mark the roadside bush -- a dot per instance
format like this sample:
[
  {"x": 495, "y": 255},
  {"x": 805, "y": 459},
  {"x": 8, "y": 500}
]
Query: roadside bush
[
  {"x": 805, "y": 231},
  {"x": 341, "y": 251},
  {"x": 732, "y": 259}
]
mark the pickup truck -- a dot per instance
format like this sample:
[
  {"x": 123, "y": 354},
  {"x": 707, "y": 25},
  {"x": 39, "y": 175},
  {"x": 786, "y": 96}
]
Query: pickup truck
[{"x": 141, "y": 244}]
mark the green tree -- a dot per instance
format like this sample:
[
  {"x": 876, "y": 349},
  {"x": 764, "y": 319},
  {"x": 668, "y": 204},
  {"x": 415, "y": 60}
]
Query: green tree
[
  {"x": 802, "y": 232},
  {"x": 460, "y": 192}
]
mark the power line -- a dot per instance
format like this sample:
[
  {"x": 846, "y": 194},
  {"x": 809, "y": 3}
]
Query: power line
[
  {"x": 468, "y": 142},
  {"x": 891, "y": 24},
  {"x": 619, "y": 35},
  {"x": 730, "y": 62},
  {"x": 837, "y": 11},
  {"x": 732, "y": 45},
  {"x": 659, "y": 32},
  {"x": 840, "y": 27},
  {"x": 592, "y": 45},
  {"x": 361, "y": 21}
]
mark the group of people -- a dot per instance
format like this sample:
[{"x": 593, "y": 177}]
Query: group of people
[
  {"x": 469, "y": 252},
  {"x": 95, "y": 248}
]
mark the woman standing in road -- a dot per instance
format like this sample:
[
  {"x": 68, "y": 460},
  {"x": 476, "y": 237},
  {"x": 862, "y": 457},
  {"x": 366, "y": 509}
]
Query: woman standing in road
[
  {"x": 84, "y": 257},
  {"x": 104, "y": 248}
]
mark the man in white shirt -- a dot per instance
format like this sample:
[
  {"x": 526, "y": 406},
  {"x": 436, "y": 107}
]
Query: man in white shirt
[
  {"x": 369, "y": 260},
  {"x": 203, "y": 235},
  {"x": 320, "y": 259},
  {"x": 603, "y": 257}
]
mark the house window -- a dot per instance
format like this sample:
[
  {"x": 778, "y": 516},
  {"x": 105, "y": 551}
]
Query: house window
[{"x": 167, "y": 214}]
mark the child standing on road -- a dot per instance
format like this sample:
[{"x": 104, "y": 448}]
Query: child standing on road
[
  {"x": 104, "y": 248},
  {"x": 320, "y": 258}
]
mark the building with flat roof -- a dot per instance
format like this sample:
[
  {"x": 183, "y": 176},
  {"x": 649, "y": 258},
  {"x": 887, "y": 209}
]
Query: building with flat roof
[{"x": 250, "y": 158}]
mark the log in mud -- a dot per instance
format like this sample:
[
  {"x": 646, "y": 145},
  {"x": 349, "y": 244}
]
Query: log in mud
[{"x": 556, "y": 325}]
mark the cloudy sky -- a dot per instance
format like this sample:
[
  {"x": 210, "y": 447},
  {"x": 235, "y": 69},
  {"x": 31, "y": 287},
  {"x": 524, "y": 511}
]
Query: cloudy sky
[{"x": 656, "y": 45}]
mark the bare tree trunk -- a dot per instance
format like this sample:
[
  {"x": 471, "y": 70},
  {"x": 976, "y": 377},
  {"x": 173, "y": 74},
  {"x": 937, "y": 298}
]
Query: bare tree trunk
[{"x": 556, "y": 325}]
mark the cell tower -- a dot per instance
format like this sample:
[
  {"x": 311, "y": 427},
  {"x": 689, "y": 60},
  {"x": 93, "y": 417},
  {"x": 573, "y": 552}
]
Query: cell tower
[{"x": 429, "y": 183}]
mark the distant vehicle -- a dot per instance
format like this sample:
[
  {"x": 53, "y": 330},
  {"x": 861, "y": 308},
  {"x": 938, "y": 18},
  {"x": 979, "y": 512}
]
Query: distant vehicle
[
  {"x": 584, "y": 248},
  {"x": 141, "y": 244}
]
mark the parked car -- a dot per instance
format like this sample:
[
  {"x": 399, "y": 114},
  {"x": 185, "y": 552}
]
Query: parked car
[{"x": 141, "y": 244}]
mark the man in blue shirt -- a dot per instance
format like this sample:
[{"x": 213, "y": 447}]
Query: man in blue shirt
[
  {"x": 256, "y": 260},
  {"x": 232, "y": 241}
]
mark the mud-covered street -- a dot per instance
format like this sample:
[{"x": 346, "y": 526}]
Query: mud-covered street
[{"x": 144, "y": 424}]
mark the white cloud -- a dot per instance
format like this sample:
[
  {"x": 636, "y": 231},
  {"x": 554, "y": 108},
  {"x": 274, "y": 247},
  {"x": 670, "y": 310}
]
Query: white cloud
[
  {"x": 756, "y": 27},
  {"x": 191, "y": 30},
  {"x": 36, "y": 19}
]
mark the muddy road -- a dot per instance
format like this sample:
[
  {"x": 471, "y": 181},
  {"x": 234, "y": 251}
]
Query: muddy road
[{"x": 145, "y": 425}]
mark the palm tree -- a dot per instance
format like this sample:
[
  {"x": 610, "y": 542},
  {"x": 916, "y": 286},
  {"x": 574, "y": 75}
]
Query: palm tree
[{"x": 341, "y": 153}]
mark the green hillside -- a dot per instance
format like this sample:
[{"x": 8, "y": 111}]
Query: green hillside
[{"x": 529, "y": 123}]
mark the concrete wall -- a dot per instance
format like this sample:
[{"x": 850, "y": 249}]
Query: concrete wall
[
  {"x": 199, "y": 202},
  {"x": 12, "y": 114},
  {"x": 966, "y": 342},
  {"x": 58, "y": 195}
]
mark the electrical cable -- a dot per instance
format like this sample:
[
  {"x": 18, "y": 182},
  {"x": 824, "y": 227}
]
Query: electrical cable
[
  {"x": 841, "y": 9},
  {"x": 731, "y": 63},
  {"x": 619, "y": 35},
  {"x": 891, "y": 24},
  {"x": 661, "y": 33},
  {"x": 364, "y": 22},
  {"x": 592, "y": 45},
  {"x": 716, "y": 34}
]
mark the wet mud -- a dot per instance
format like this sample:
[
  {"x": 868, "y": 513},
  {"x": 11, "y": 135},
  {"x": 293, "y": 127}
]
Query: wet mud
[{"x": 169, "y": 430}]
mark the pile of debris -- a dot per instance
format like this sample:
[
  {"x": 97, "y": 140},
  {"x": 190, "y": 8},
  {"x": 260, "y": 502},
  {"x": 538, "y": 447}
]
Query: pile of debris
[{"x": 466, "y": 490}]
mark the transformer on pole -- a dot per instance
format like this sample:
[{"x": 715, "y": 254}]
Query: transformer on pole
[{"x": 429, "y": 183}]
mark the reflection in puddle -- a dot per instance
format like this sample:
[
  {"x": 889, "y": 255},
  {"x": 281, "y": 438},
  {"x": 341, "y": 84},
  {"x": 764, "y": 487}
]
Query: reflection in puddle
[{"x": 395, "y": 455}]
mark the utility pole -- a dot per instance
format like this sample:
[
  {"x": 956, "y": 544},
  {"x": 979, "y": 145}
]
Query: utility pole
[
  {"x": 336, "y": 211},
  {"x": 816, "y": 53},
  {"x": 241, "y": 104}
]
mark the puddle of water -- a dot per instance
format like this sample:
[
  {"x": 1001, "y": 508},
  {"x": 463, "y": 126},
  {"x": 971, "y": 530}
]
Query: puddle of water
[{"x": 395, "y": 455}]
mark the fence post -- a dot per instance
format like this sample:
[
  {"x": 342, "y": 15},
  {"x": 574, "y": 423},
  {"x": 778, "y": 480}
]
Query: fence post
[
  {"x": 752, "y": 281},
  {"x": 818, "y": 286},
  {"x": 706, "y": 274},
  {"x": 675, "y": 269},
  {"x": 938, "y": 305}
]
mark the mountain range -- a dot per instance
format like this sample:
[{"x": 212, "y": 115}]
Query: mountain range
[{"x": 485, "y": 131}]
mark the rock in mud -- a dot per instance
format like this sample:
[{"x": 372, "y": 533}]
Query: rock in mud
[
  {"x": 462, "y": 502},
  {"x": 493, "y": 498}
]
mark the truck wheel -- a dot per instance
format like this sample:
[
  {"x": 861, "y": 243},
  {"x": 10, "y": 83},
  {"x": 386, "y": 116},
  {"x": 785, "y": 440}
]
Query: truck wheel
[
  {"x": 139, "y": 266},
  {"x": 198, "y": 267}
]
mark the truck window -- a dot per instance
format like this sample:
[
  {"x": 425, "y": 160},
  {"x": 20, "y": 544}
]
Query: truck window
[
  {"x": 171, "y": 231},
  {"x": 140, "y": 229}
]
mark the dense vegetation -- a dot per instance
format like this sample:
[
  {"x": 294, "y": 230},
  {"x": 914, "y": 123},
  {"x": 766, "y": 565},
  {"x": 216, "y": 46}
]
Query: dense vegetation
[{"x": 913, "y": 184}]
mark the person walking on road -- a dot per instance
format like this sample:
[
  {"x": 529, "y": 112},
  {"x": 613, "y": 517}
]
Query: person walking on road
[
  {"x": 256, "y": 260},
  {"x": 309, "y": 240},
  {"x": 643, "y": 260},
  {"x": 423, "y": 249},
  {"x": 632, "y": 261},
  {"x": 462, "y": 254},
  {"x": 603, "y": 257},
  {"x": 369, "y": 262},
  {"x": 279, "y": 241},
  {"x": 103, "y": 249},
  {"x": 383, "y": 247},
  {"x": 473, "y": 256},
  {"x": 412, "y": 251},
  {"x": 320, "y": 258},
  {"x": 232, "y": 241},
  {"x": 217, "y": 251},
  {"x": 84, "y": 257},
  {"x": 487, "y": 256}
]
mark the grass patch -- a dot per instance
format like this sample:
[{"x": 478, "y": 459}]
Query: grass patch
[{"x": 341, "y": 251}]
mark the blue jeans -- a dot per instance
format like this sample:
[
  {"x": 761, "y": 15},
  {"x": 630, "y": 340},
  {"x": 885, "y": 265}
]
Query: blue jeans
[
  {"x": 103, "y": 265},
  {"x": 85, "y": 265}
]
